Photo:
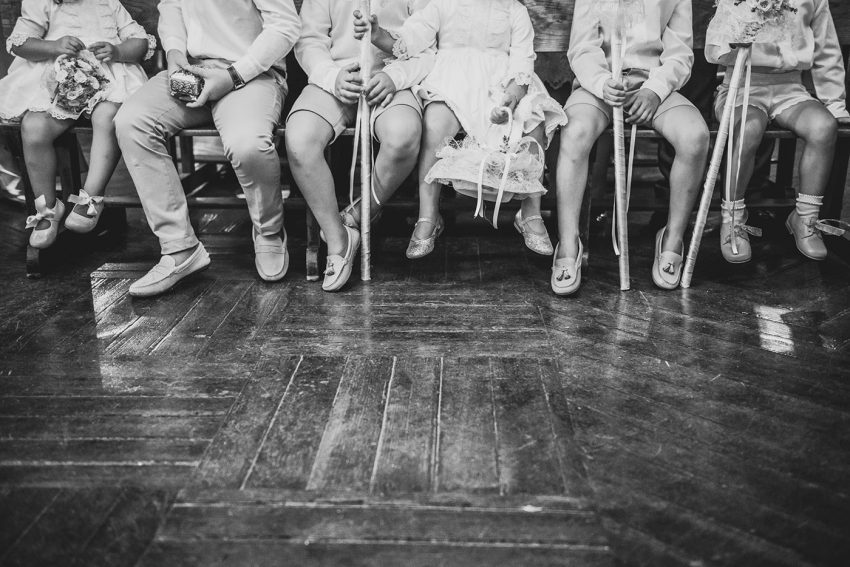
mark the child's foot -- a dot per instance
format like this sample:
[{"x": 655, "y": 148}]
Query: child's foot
[
  {"x": 45, "y": 223},
  {"x": 424, "y": 237},
  {"x": 806, "y": 235},
  {"x": 667, "y": 266},
  {"x": 734, "y": 232},
  {"x": 339, "y": 266},
  {"x": 86, "y": 212},
  {"x": 566, "y": 271},
  {"x": 534, "y": 233}
]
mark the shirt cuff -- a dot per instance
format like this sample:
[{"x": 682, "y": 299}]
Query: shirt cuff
[
  {"x": 173, "y": 43},
  {"x": 248, "y": 68},
  {"x": 326, "y": 79},
  {"x": 596, "y": 88},
  {"x": 658, "y": 87},
  {"x": 395, "y": 74},
  {"x": 838, "y": 110}
]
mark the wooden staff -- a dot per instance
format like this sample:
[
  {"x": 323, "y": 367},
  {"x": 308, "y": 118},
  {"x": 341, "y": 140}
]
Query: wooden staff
[
  {"x": 366, "y": 59},
  {"x": 621, "y": 190},
  {"x": 726, "y": 121}
]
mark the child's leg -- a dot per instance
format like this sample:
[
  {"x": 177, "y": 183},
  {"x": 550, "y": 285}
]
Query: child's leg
[
  {"x": 38, "y": 131},
  {"x": 104, "y": 148},
  {"x": 818, "y": 129},
  {"x": 399, "y": 130},
  {"x": 757, "y": 122},
  {"x": 685, "y": 129},
  {"x": 531, "y": 207},
  {"x": 585, "y": 124},
  {"x": 307, "y": 136},
  {"x": 439, "y": 123}
]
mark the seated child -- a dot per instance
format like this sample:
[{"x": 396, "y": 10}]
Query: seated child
[
  {"x": 657, "y": 62},
  {"x": 329, "y": 53},
  {"x": 484, "y": 47},
  {"x": 109, "y": 45},
  {"x": 808, "y": 42}
]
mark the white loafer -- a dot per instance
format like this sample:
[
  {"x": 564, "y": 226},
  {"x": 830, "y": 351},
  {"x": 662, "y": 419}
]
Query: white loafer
[
  {"x": 667, "y": 266},
  {"x": 566, "y": 272},
  {"x": 167, "y": 274},
  {"x": 339, "y": 267},
  {"x": 44, "y": 237},
  {"x": 271, "y": 256}
]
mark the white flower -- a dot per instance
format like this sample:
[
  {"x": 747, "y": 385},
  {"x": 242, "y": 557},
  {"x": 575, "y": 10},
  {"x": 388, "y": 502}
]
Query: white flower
[
  {"x": 80, "y": 77},
  {"x": 95, "y": 84},
  {"x": 61, "y": 75},
  {"x": 83, "y": 65},
  {"x": 73, "y": 95}
]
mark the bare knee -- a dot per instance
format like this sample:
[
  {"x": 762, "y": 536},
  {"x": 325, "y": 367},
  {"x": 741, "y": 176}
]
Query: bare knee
[
  {"x": 37, "y": 129},
  {"x": 691, "y": 142},
  {"x": 820, "y": 129},
  {"x": 400, "y": 140},
  {"x": 577, "y": 139},
  {"x": 103, "y": 119},
  {"x": 303, "y": 147}
]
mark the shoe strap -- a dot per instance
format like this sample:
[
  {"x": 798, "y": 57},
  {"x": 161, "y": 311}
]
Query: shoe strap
[
  {"x": 47, "y": 214},
  {"x": 84, "y": 199},
  {"x": 841, "y": 228}
]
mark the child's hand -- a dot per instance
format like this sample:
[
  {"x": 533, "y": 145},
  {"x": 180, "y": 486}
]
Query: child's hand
[
  {"x": 68, "y": 45},
  {"x": 348, "y": 84},
  {"x": 176, "y": 61},
  {"x": 380, "y": 90},
  {"x": 105, "y": 51},
  {"x": 614, "y": 93},
  {"x": 217, "y": 83},
  {"x": 642, "y": 107},
  {"x": 500, "y": 114},
  {"x": 361, "y": 25}
]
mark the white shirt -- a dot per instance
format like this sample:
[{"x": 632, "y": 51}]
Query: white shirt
[
  {"x": 252, "y": 35},
  {"x": 660, "y": 42},
  {"x": 327, "y": 42},
  {"x": 812, "y": 46}
]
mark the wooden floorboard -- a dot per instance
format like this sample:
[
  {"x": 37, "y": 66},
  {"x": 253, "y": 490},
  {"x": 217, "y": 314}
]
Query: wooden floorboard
[{"x": 453, "y": 412}]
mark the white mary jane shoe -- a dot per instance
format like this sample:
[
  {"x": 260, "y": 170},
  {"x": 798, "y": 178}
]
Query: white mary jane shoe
[
  {"x": 45, "y": 237},
  {"x": 83, "y": 223}
]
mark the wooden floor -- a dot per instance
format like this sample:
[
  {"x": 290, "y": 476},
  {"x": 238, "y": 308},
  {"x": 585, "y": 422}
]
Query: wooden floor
[{"x": 451, "y": 413}]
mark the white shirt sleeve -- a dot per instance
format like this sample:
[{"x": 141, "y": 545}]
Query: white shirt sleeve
[
  {"x": 172, "y": 27},
  {"x": 522, "y": 56},
  {"x": 313, "y": 50},
  {"x": 419, "y": 31},
  {"x": 828, "y": 65},
  {"x": 586, "y": 56},
  {"x": 281, "y": 28},
  {"x": 677, "y": 58},
  {"x": 33, "y": 23}
]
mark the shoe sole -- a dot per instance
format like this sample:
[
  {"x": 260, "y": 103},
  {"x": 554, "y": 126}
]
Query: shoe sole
[
  {"x": 175, "y": 284},
  {"x": 800, "y": 250}
]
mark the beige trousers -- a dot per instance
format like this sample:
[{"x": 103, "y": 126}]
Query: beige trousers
[{"x": 245, "y": 119}]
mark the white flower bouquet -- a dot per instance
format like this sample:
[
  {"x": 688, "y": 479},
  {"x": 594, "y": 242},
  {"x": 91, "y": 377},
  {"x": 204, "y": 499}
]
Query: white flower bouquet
[
  {"x": 77, "y": 83},
  {"x": 755, "y": 21}
]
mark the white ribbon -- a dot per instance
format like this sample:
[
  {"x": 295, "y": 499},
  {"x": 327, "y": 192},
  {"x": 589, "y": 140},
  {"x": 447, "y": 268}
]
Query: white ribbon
[
  {"x": 85, "y": 199},
  {"x": 32, "y": 221},
  {"x": 629, "y": 170}
]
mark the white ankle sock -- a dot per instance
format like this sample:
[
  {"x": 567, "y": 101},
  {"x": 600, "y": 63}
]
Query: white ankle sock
[
  {"x": 728, "y": 207},
  {"x": 808, "y": 205}
]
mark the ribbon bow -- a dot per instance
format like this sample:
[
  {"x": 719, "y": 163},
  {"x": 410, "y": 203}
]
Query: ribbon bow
[
  {"x": 32, "y": 221},
  {"x": 85, "y": 199},
  {"x": 737, "y": 232},
  {"x": 825, "y": 226}
]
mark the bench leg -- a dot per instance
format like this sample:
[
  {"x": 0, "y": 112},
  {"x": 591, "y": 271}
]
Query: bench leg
[
  {"x": 312, "y": 247},
  {"x": 835, "y": 197}
]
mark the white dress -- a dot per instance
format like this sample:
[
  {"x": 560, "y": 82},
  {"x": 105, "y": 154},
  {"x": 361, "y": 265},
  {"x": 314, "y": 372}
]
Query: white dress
[
  {"x": 481, "y": 46},
  {"x": 23, "y": 89}
]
